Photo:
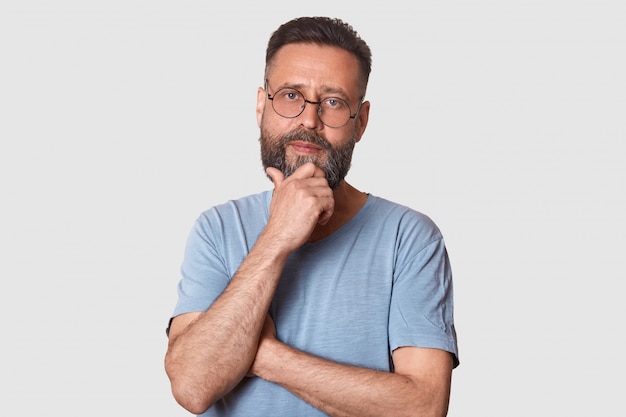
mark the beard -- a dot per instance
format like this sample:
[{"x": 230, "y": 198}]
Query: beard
[{"x": 335, "y": 162}]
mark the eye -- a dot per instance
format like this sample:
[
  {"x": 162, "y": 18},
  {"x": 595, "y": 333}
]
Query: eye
[
  {"x": 290, "y": 95},
  {"x": 335, "y": 103}
]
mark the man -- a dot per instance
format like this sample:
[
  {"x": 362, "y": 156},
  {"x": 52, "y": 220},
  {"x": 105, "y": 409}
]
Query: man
[{"x": 313, "y": 298}]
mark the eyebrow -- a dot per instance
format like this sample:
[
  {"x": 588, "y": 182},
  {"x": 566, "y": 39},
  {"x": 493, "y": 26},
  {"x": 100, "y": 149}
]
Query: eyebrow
[{"x": 326, "y": 90}]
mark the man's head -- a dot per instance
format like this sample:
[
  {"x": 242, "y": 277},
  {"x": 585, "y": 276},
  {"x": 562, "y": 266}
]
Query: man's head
[
  {"x": 322, "y": 31},
  {"x": 311, "y": 108}
]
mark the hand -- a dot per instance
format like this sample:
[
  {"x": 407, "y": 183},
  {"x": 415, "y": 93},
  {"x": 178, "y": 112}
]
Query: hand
[
  {"x": 299, "y": 203},
  {"x": 268, "y": 335}
]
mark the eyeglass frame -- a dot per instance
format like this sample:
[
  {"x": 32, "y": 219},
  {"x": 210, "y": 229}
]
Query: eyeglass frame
[{"x": 318, "y": 103}]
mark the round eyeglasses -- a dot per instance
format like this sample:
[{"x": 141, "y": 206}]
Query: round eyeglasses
[{"x": 290, "y": 103}]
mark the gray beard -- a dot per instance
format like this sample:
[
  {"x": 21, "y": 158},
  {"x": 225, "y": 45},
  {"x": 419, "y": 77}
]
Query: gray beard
[{"x": 335, "y": 163}]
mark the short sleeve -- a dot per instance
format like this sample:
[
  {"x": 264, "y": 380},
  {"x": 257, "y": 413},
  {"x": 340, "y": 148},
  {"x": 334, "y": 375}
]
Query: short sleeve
[
  {"x": 421, "y": 311},
  {"x": 204, "y": 273}
]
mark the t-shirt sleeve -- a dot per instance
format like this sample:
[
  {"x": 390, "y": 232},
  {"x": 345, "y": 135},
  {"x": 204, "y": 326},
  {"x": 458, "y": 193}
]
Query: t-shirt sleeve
[
  {"x": 421, "y": 311},
  {"x": 204, "y": 273}
]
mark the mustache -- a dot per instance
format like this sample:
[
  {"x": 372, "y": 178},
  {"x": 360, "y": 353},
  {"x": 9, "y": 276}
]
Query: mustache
[{"x": 304, "y": 136}]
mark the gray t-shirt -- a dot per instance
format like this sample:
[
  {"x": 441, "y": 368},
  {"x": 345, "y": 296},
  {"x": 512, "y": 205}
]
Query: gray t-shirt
[{"x": 381, "y": 281}]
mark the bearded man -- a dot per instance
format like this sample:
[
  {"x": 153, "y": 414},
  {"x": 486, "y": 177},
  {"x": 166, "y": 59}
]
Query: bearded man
[{"x": 313, "y": 298}]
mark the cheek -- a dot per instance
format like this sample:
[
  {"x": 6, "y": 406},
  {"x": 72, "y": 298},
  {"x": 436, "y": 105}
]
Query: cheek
[
  {"x": 275, "y": 126},
  {"x": 339, "y": 138}
]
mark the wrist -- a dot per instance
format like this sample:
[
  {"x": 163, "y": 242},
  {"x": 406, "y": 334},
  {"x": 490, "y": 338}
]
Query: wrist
[
  {"x": 270, "y": 359},
  {"x": 274, "y": 245}
]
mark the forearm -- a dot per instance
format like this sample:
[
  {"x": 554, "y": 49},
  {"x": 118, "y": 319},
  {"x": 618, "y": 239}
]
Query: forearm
[
  {"x": 213, "y": 353},
  {"x": 343, "y": 390}
]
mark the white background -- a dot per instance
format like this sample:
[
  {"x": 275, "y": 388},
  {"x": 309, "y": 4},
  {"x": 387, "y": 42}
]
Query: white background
[{"x": 121, "y": 121}]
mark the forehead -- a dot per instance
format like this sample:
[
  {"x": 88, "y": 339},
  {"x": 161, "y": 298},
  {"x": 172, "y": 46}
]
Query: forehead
[{"x": 315, "y": 67}]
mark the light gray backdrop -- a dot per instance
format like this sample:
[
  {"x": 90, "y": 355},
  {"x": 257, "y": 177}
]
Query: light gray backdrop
[{"x": 121, "y": 121}]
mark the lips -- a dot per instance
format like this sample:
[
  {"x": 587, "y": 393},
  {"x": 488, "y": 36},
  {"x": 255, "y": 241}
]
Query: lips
[{"x": 304, "y": 147}]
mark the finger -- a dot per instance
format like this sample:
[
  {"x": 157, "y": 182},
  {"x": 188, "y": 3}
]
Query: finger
[
  {"x": 308, "y": 170},
  {"x": 319, "y": 172},
  {"x": 276, "y": 176},
  {"x": 327, "y": 213}
]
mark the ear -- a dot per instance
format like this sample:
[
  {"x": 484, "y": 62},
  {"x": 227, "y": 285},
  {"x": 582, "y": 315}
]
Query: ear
[
  {"x": 362, "y": 118},
  {"x": 260, "y": 105}
]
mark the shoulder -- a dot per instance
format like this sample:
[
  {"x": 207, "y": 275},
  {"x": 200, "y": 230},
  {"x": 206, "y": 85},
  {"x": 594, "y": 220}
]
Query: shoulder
[
  {"x": 249, "y": 213},
  {"x": 254, "y": 204},
  {"x": 404, "y": 219}
]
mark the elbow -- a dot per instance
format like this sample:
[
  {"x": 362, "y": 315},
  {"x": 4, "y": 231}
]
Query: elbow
[
  {"x": 191, "y": 394},
  {"x": 428, "y": 408},
  {"x": 196, "y": 388},
  {"x": 422, "y": 411},
  {"x": 430, "y": 403},
  {"x": 194, "y": 402}
]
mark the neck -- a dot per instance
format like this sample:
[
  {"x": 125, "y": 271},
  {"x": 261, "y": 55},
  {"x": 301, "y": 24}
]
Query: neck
[{"x": 348, "y": 202}]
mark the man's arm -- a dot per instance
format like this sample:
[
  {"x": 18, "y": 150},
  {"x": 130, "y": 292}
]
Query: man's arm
[
  {"x": 420, "y": 385},
  {"x": 210, "y": 352}
]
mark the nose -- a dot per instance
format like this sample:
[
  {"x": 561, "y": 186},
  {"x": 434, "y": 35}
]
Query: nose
[{"x": 309, "y": 117}]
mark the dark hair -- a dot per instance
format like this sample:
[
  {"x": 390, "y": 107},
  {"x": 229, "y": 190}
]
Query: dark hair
[{"x": 322, "y": 31}]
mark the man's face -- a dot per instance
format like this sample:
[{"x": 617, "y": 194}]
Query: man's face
[{"x": 316, "y": 72}]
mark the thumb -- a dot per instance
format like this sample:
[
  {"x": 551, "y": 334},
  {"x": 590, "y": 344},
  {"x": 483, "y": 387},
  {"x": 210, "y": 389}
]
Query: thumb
[{"x": 276, "y": 176}]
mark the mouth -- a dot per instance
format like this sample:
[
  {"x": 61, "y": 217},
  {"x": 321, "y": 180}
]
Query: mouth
[{"x": 306, "y": 148}]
